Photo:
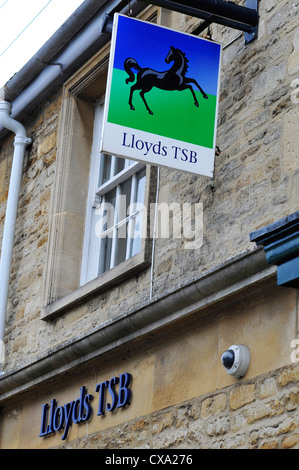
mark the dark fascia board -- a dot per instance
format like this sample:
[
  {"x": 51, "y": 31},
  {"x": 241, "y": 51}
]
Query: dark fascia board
[
  {"x": 280, "y": 241},
  {"x": 272, "y": 230}
]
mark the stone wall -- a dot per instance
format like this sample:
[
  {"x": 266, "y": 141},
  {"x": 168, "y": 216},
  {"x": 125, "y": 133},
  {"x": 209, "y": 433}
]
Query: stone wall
[
  {"x": 31, "y": 236},
  {"x": 260, "y": 414},
  {"x": 256, "y": 168},
  {"x": 256, "y": 182},
  {"x": 181, "y": 394}
]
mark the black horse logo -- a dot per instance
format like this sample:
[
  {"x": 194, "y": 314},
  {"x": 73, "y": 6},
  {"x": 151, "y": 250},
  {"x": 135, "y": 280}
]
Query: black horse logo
[{"x": 172, "y": 79}]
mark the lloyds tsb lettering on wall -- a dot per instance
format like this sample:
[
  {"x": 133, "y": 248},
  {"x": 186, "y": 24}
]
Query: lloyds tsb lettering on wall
[{"x": 114, "y": 393}]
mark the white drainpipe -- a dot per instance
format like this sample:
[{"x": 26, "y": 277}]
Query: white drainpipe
[{"x": 20, "y": 143}]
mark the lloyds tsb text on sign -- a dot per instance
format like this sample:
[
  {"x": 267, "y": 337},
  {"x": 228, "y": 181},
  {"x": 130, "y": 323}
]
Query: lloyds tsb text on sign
[
  {"x": 114, "y": 393},
  {"x": 156, "y": 148}
]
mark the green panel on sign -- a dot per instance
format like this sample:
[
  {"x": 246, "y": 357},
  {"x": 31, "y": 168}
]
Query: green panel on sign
[{"x": 174, "y": 113}]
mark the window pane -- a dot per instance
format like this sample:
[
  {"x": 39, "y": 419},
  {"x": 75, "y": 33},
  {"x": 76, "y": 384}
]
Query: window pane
[
  {"x": 119, "y": 165},
  {"x": 126, "y": 193},
  {"x": 136, "y": 233},
  {"x": 108, "y": 208},
  {"x": 140, "y": 186},
  {"x": 105, "y": 169},
  {"x": 122, "y": 243},
  {"x": 123, "y": 212},
  {"x": 105, "y": 255},
  {"x": 110, "y": 216}
]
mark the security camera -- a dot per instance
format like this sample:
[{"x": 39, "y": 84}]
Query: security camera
[{"x": 236, "y": 360}]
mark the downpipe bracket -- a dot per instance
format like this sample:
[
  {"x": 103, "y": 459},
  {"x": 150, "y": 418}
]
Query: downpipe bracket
[{"x": 20, "y": 140}]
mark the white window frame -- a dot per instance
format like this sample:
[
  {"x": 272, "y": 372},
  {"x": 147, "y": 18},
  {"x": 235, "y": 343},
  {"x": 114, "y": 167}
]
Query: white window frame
[{"x": 93, "y": 257}]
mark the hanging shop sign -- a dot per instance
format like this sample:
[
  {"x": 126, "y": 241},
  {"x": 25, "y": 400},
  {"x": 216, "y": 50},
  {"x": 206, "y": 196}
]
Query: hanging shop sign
[
  {"x": 114, "y": 393},
  {"x": 162, "y": 96}
]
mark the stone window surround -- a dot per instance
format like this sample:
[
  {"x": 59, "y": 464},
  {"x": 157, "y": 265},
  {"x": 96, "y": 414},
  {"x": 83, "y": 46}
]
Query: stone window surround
[{"x": 61, "y": 287}]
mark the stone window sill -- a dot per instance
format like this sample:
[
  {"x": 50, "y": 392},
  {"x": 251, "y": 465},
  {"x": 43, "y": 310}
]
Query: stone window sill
[{"x": 131, "y": 267}]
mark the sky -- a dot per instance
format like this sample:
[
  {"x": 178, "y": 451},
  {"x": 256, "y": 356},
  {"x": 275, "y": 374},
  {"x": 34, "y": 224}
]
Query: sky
[{"x": 25, "y": 26}]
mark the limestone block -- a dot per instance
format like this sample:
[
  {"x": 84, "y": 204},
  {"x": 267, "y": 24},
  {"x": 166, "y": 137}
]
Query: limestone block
[
  {"x": 291, "y": 139},
  {"x": 293, "y": 62},
  {"x": 2, "y": 175},
  {"x": 269, "y": 80}
]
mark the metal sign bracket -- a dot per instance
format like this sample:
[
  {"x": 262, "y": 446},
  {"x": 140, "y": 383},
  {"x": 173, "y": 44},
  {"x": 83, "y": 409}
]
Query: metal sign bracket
[
  {"x": 211, "y": 11},
  {"x": 249, "y": 36}
]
